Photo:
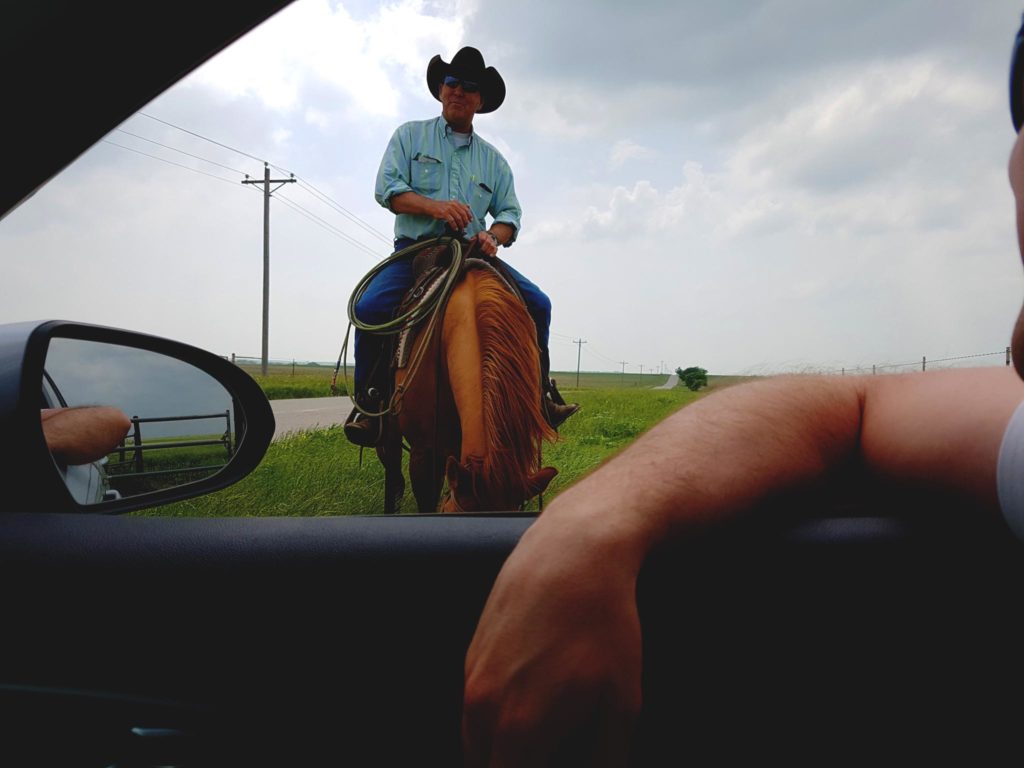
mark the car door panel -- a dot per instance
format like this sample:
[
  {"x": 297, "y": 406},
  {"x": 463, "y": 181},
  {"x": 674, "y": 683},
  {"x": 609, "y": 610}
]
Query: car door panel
[{"x": 313, "y": 638}]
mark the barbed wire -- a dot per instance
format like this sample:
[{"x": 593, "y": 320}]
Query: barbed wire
[
  {"x": 923, "y": 362},
  {"x": 851, "y": 370}
]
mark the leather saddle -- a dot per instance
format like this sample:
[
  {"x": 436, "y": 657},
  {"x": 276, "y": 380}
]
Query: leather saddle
[{"x": 429, "y": 269}]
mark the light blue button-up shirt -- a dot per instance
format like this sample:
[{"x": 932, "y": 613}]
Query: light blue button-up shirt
[{"x": 423, "y": 157}]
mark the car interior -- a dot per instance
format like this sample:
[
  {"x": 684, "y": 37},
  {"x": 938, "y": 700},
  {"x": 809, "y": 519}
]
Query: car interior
[{"x": 866, "y": 624}]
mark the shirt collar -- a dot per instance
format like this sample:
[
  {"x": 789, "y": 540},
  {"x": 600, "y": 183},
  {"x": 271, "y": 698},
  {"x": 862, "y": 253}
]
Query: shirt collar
[{"x": 447, "y": 130}]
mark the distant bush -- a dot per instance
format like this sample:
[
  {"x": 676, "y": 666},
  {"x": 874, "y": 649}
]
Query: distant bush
[{"x": 693, "y": 378}]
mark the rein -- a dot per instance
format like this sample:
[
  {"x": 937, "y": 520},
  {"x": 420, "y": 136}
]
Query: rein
[{"x": 429, "y": 310}]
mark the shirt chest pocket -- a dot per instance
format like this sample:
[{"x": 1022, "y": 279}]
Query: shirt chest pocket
[
  {"x": 426, "y": 175},
  {"x": 480, "y": 199}
]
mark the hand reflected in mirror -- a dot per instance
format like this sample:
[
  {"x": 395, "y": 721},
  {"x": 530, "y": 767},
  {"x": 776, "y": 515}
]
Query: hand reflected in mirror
[
  {"x": 85, "y": 434},
  {"x": 122, "y": 421}
]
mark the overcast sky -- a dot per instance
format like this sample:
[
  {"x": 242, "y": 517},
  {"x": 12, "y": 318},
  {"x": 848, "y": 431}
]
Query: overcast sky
[
  {"x": 139, "y": 382},
  {"x": 747, "y": 186}
]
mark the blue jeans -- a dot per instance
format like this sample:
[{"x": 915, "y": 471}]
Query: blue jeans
[{"x": 382, "y": 296}]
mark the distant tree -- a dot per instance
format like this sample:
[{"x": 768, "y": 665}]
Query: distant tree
[{"x": 693, "y": 378}]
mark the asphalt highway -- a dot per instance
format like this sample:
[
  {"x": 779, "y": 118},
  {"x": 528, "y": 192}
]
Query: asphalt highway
[{"x": 309, "y": 412}]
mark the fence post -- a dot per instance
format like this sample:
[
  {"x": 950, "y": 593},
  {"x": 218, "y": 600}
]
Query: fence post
[
  {"x": 924, "y": 363},
  {"x": 232, "y": 357},
  {"x": 293, "y": 366},
  {"x": 842, "y": 372},
  {"x": 1007, "y": 355},
  {"x": 872, "y": 370},
  {"x": 137, "y": 436}
]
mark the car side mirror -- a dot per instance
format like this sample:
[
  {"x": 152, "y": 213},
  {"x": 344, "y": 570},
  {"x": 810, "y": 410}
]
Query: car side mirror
[{"x": 96, "y": 419}]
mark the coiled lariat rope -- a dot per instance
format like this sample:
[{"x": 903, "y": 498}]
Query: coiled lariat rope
[{"x": 429, "y": 310}]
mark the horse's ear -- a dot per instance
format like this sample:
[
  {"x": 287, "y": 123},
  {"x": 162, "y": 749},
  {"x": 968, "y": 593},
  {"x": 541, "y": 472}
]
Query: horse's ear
[{"x": 538, "y": 481}]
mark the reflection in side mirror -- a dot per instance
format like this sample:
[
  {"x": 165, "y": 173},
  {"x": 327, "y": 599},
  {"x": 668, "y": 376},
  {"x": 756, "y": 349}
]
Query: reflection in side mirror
[{"x": 122, "y": 421}]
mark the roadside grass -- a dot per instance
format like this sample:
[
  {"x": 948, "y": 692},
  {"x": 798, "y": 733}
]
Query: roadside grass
[
  {"x": 317, "y": 472},
  {"x": 174, "y": 466},
  {"x": 608, "y": 421},
  {"x": 284, "y": 382}
]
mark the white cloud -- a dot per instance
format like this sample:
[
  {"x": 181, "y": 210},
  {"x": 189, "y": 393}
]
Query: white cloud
[
  {"x": 626, "y": 150},
  {"x": 312, "y": 44}
]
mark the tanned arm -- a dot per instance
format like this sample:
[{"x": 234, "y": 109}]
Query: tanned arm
[
  {"x": 558, "y": 645},
  {"x": 82, "y": 435},
  {"x": 457, "y": 215}
]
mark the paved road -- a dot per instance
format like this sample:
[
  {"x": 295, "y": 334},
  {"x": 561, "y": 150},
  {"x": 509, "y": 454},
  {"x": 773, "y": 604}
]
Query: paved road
[
  {"x": 309, "y": 412},
  {"x": 673, "y": 380}
]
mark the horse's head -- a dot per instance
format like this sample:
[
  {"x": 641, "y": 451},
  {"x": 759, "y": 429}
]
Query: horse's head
[{"x": 469, "y": 492}]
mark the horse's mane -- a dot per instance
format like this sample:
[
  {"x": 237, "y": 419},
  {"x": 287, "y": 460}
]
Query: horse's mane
[{"x": 513, "y": 422}]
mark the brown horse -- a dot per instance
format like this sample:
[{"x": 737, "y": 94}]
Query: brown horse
[{"x": 471, "y": 411}]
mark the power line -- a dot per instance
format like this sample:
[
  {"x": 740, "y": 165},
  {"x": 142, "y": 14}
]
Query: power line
[
  {"x": 323, "y": 224},
  {"x": 169, "y": 162},
  {"x": 175, "y": 149},
  {"x": 323, "y": 197},
  {"x": 602, "y": 356},
  {"x": 309, "y": 187},
  {"x": 338, "y": 207},
  {"x": 204, "y": 138},
  {"x": 344, "y": 211}
]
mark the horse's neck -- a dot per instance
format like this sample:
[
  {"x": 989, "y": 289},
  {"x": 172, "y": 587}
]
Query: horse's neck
[
  {"x": 462, "y": 350},
  {"x": 494, "y": 372}
]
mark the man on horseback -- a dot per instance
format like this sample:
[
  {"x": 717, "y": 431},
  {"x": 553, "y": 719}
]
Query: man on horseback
[{"x": 437, "y": 175}]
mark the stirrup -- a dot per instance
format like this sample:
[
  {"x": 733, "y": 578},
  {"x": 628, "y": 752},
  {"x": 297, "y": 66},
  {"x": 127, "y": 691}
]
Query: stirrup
[{"x": 362, "y": 430}]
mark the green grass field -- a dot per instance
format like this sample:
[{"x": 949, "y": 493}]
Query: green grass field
[
  {"x": 284, "y": 382},
  {"x": 318, "y": 472},
  {"x": 174, "y": 466},
  {"x": 292, "y": 381}
]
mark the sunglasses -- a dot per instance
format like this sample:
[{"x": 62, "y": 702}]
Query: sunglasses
[
  {"x": 467, "y": 85},
  {"x": 1017, "y": 81}
]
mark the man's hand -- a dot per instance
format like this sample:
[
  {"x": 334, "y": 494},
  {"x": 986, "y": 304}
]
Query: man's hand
[
  {"x": 487, "y": 243},
  {"x": 84, "y": 434},
  {"x": 455, "y": 214},
  {"x": 554, "y": 667}
]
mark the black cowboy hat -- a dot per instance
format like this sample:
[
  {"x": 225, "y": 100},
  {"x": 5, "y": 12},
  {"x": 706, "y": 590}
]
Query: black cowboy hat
[{"x": 468, "y": 63}]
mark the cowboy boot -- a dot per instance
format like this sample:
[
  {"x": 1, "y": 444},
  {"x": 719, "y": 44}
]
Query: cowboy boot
[
  {"x": 365, "y": 431},
  {"x": 557, "y": 414},
  {"x": 556, "y": 410}
]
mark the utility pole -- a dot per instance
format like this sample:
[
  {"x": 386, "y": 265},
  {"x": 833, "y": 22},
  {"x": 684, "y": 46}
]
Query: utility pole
[
  {"x": 579, "y": 353},
  {"x": 267, "y": 192},
  {"x": 623, "y": 364}
]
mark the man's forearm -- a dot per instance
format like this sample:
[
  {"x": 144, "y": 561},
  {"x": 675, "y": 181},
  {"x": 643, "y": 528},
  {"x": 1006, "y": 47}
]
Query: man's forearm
[
  {"x": 84, "y": 434},
  {"x": 715, "y": 458},
  {"x": 721, "y": 455},
  {"x": 412, "y": 203},
  {"x": 559, "y": 641},
  {"x": 502, "y": 231}
]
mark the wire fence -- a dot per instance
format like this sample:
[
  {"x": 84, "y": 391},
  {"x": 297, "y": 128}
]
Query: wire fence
[
  {"x": 296, "y": 366},
  {"x": 923, "y": 363},
  {"x": 284, "y": 366}
]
